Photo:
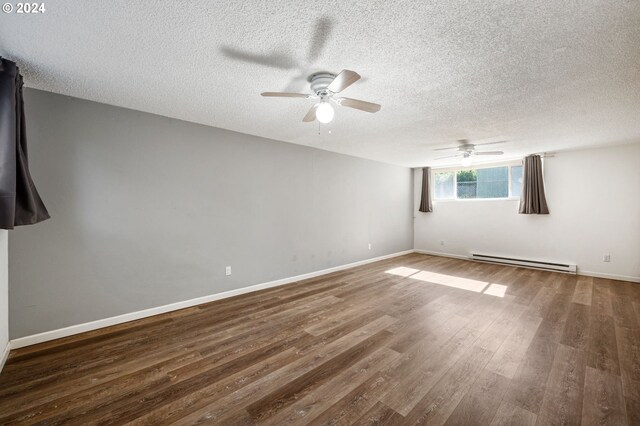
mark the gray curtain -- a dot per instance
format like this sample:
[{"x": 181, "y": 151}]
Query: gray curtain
[
  {"x": 425, "y": 201},
  {"x": 20, "y": 203},
  {"x": 532, "y": 199}
]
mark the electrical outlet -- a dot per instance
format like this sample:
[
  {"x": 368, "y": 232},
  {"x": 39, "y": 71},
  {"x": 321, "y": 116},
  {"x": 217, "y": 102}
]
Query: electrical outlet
[
  {"x": 606, "y": 258},
  {"x": 227, "y": 270},
  {"x": 369, "y": 246}
]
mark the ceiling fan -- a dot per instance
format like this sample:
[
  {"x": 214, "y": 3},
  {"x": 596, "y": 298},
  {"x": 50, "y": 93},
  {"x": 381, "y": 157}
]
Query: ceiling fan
[
  {"x": 466, "y": 150},
  {"x": 325, "y": 86}
]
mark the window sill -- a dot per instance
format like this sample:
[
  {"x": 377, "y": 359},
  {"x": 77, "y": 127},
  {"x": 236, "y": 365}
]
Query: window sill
[{"x": 473, "y": 200}]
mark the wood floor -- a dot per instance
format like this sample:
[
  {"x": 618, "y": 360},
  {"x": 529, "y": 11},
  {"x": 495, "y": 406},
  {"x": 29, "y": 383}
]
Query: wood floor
[{"x": 411, "y": 340}]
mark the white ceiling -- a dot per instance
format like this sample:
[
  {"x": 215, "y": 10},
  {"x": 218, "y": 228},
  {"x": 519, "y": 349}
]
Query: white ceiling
[{"x": 544, "y": 75}]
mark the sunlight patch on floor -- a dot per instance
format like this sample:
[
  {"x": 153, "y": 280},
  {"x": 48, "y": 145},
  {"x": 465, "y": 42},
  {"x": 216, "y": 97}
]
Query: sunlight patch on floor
[
  {"x": 497, "y": 290},
  {"x": 403, "y": 271},
  {"x": 451, "y": 281}
]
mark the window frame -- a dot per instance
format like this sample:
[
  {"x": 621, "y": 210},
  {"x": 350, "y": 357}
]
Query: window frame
[{"x": 456, "y": 169}]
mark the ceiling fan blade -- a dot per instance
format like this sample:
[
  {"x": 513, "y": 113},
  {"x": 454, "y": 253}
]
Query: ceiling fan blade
[
  {"x": 489, "y": 143},
  {"x": 461, "y": 142},
  {"x": 286, "y": 95},
  {"x": 273, "y": 60},
  {"x": 489, "y": 153},
  {"x": 343, "y": 80},
  {"x": 321, "y": 34},
  {"x": 448, "y": 156},
  {"x": 358, "y": 104},
  {"x": 311, "y": 115}
]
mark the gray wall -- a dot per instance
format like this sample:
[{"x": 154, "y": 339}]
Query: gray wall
[{"x": 148, "y": 210}]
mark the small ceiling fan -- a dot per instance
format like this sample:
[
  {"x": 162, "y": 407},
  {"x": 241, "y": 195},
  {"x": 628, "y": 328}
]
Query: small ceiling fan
[
  {"x": 325, "y": 86},
  {"x": 466, "y": 150}
]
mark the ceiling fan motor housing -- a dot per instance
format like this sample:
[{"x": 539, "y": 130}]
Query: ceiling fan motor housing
[{"x": 320, "y": 81}]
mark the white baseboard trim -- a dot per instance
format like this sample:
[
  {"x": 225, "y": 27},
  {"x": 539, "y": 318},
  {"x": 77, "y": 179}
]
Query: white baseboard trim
[
  {"x": 437, "y": 253},
  {"x": 132, "y": 316},
  {"x": 609, "y": 276},
  {"x": 5, "y": 355},
  {"x": 580, "y": 272}
]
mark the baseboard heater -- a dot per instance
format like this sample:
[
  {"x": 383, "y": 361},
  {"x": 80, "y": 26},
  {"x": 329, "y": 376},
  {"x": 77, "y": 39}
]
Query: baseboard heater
[{"x": 527, "y": 263}]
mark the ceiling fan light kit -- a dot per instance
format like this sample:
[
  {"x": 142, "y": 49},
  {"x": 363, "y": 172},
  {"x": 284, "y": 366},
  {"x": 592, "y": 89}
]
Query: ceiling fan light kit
[
  {"x": 325, "y": 86},
  {"x": 324, "y": 112}
]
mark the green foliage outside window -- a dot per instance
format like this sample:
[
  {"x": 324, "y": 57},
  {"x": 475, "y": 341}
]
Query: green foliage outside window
[
  {"x": 467, "y": 183},
  {"x": 488, "y": 182}
]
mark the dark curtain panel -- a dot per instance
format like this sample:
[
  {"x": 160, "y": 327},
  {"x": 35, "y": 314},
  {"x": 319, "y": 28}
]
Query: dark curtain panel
[
  {"x": 20, "y": 203},
  {"x": 425, "y": 201},
  {"x": 532, "y": 199}
]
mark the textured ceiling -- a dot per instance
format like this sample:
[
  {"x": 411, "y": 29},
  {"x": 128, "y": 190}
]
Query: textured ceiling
[{"x": 544, "y": 75}]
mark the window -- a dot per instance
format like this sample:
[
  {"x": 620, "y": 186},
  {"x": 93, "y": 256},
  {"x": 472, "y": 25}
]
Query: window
[
  {"x": 444, "y": 185},
  {"x": 477, "y": 183},
  {"x": 516, "y": 181}
]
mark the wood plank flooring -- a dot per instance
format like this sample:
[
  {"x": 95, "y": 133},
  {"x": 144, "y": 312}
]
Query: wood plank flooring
[{"x": 411, "y": 340}]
